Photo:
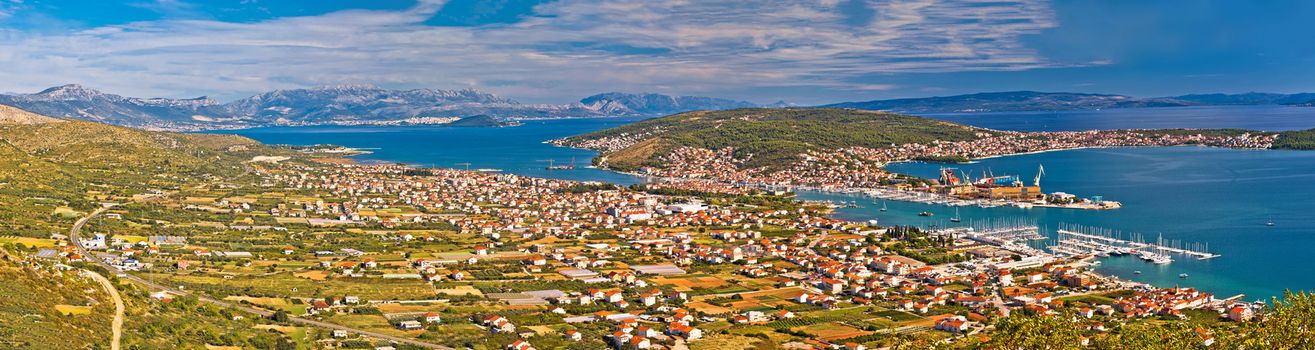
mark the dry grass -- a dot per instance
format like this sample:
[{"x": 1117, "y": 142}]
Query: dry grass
[
  {"x": 73, "y": 309},
  {"x": 832, "y": 331}
]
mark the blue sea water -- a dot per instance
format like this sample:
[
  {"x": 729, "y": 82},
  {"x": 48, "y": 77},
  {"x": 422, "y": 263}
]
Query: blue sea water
[
  {"x": 1220, "y": 197},
  {"x": 518, "y": 150}
]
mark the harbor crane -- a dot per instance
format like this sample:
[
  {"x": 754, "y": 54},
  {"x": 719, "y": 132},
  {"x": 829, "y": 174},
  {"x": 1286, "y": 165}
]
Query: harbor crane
[
  {"x": 467, "y": 165},
  {"x": 550, "y": 162},
  {"x": 1040, "y": 170}
]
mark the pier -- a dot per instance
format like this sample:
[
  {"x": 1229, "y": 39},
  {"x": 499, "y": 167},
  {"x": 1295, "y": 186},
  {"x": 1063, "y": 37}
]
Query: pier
[
  {"x": 1073, "y": 240},
  {"x": 1008, "y": 234}
]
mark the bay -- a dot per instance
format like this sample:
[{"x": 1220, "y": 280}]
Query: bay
[{"x": 1220, "y": 197}]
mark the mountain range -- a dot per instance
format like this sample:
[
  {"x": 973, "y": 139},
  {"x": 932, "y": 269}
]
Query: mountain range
[
  {"x": 338, "y": 105},
  {"x": 369, "y": 105},
  {"x": 1058, "y": 101}
]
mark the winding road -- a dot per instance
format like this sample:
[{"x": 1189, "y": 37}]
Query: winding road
[{"x": 77, "y": 243}]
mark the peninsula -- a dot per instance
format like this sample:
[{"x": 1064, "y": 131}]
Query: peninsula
[{"x": 845, "y": 150}]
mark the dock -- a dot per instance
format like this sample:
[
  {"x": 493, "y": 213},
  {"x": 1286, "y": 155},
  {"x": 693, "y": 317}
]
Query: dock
[
  {"x": 1074, "y": 241},
  {"x": 1008, "y": 234}
]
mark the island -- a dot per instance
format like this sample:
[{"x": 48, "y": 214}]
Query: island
[{"x": 845, "y": 150}]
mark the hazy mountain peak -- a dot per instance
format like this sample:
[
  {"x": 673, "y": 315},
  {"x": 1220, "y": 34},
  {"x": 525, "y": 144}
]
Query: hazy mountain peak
[
  {"x": 68, "y": 92},
  {"x": 647, "y": 103}
]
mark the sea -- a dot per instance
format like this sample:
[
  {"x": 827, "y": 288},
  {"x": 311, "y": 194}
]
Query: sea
[{"x": 1219, "y": 199}]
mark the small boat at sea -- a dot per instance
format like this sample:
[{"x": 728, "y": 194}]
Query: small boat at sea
[
  {"x": 956, "y": 216},
  {"x": 1182, "y": 275},
  {"x": 883, "y": 206},
  {"x": 1138, "y": 272},
  {"x": 925, "y": 213}
]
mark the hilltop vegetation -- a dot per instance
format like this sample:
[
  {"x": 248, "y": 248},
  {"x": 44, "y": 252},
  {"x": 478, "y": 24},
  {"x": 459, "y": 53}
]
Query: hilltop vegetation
[
  {"x": 1298, "y": 140},
  {"x": 47, "y": 163},
  {"x": 769, "y": 137}
]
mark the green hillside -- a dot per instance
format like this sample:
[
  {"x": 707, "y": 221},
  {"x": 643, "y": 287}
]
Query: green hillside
[
  {"x": 772, "y": 136},
  {"x": 48, "y": 163},
  {"x": 1296, "y": 139}
]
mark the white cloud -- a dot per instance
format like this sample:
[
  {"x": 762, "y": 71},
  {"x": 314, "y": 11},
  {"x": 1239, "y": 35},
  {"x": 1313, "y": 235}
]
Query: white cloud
[{"x": 571, "y": 48}]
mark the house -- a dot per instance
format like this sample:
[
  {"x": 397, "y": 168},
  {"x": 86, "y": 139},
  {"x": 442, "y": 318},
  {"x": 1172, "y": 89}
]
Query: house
[
  {"x": 784, "y": 314},
  {"x": 855, "y": 346},
  {"x": 1207, "y": 339},
  {"x": 338, "y": 333},
  {"x": 640, "y": 343},
  {"x": 1035, "y": 277},
  {"x": 954, "y": 324},
  {"x": 644, "y": 331},
  {"x": 409, "y": 325},
  {"x": 432, "y": 317},
  {"x": 1240, "y": 314},
  {"x": 351, "y": 299},
  {"x": 613, "y": 296},
  {"x": 572, "y": 335},
  {"x": 520, "y": 345},
  {"x": 319, "y": 305}
]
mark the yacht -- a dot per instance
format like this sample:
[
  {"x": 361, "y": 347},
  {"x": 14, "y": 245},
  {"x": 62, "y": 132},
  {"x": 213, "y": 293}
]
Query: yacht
[
  {"x": 1182, "y": 275},
  {"x": 956, "y": 216},
  {"x": 925, "y": 213}
]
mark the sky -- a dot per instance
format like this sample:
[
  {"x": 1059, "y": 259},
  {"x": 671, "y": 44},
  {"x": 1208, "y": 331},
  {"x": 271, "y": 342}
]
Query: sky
[{"x": 553, "y": 51}]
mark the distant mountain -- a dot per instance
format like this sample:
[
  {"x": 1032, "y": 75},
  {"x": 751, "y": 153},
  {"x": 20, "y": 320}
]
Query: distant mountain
[
  {"x": 361, "y": 103},
  {"x": 1250, "y": 98},
  {"x": 77, "y": 102},
  {"x": 617, "y": 103},
  {"x": 339, "y": 105},
  {"x": 1010, "y": 101},
  {"x": 1060, "y": 101}
]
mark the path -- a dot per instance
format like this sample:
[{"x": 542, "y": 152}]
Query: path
[{"x": 117, "y": 326}]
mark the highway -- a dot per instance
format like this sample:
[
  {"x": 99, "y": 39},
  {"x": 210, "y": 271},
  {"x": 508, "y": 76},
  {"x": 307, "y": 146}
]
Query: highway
[{"x": 77, "y": 243}]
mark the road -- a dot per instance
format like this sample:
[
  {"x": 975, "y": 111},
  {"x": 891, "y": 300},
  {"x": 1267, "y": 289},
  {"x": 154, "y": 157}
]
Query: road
[
  {"x": 77, "y": 243},
  {"x": 117, "y": 326}
]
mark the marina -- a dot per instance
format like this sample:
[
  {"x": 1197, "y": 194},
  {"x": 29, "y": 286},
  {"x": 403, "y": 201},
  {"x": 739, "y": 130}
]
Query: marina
[
  {"x": 1074, "y": 240},
  {"x": 1012, "y": 234}
]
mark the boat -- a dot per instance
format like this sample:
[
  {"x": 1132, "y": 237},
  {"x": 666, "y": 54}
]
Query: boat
[
  {"x": 956, "y": 216},
  {"x": 883, "y": 206},
  {"x": 1182, "y": 275},
  {"x": 925, "y": 213},
  {"x": 1138, "y": 272}
]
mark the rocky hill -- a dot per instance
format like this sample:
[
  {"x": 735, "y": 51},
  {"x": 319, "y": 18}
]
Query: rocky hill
[{"x": 11, "y": 115}]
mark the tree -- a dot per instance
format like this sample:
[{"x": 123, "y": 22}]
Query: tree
[{"x": 279, "y": 316}]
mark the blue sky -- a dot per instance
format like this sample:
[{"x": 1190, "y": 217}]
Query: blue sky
[{"x": 809, "y": 52}]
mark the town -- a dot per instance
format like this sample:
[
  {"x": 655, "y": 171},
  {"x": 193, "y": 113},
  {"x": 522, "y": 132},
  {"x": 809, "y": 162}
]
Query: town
[{"x": 471, "y": 259}]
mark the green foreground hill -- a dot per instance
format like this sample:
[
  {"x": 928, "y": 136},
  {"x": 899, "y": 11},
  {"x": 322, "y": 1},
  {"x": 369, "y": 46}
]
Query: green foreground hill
[
  {"x": 770, "y": 137},
  {"x": 48, "y": 163}
]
